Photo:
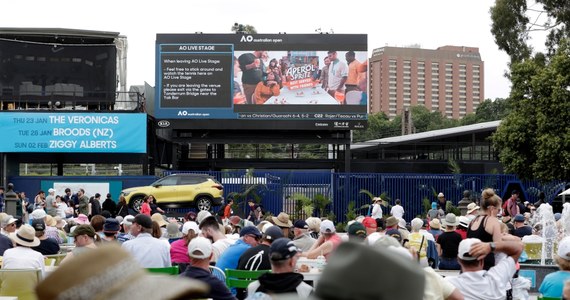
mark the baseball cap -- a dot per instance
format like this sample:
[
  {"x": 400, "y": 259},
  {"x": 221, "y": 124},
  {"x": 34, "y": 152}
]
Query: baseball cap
[
  {"x": 51, "y": 191},
  {"x": 111, "y": 225},
  {"x": 465, "y": 246},
  {"x": 272, "y": 233},
  {"x": 250, "y": 230},
  {"x": 7, "y": 220},
  {"x": 128, "y": 220},
  {"x": 200, "y": 248},
  {"x": 143, "y": 220},
  {"x": 301, "y": 224},
  {"x": 327, "y": 226},
  {"x": 395, "y": 233},
  {"x": 356, "y": 229},
  {"x": 564, "y": 248},
  {"x": 391, "y": 221},
  {"x": 282, "y": 248},
  {"x": 440, "y": 195},
  {"x": 190, "y": 225},
  {"x": 519, "y": 218},
  {"x": 38, "y": 214},
  {"x": 39, "y": 224},
  {"x": 369, "y": 222}
]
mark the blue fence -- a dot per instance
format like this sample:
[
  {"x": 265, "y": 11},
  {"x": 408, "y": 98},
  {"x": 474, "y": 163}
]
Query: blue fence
[{"x": 276, "y": 190}]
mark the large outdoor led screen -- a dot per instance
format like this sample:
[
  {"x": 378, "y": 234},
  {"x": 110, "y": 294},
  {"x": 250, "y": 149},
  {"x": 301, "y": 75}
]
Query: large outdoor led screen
[{"x": 265, "y": 81}]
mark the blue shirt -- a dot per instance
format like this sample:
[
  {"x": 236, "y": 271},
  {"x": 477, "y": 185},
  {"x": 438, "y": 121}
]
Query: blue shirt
[
  {"x": 553, "y": 284},
  {"x": 229, "y": 259}
]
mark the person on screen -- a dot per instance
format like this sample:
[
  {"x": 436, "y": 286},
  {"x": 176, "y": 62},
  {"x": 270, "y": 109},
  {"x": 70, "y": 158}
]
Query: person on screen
[
  {"x": 276, "y": 69},
  {"x": 338, "y": 72},
  {"x": 324, "y": 78},
  {"x": 266, "y": 89},
  {"x": 353, "y": 76},
  {"x": 239, "y": 97},
  {"x": 253, "y": 73}
]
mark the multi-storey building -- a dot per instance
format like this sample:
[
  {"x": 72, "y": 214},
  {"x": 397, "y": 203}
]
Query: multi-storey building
[{"x": 448, "y": 79}]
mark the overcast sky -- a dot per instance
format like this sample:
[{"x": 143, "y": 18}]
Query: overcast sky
[{"x": 395, "y": 23}]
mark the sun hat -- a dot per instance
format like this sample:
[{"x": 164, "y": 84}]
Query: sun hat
[
  {"x": 391, "y": 221},
  {"x": 110, "y": 272},
  {"x": 51, "y": 190},
  {"x": 450, "y": 220},
  {"x": 158, "y": 218},
  {"x": 200, "y": 248},
  {"x": 465, "y": 247},
  {"x": 282, "y": 248},
  {"x": 564, "y": 248},
  {"x": 327, "y": 226},
  {"x": 376, "y": 199},
  {"x": 82, "y": 219},
  {"x": 50, "y": 221},
  {"x": 38, "y": 214},
  {"x": 25, "y": 236},
  {"x": 464, "y": 221},
  {"x": 7, "y": 220},
  {"x": 202, "y": 215},
  {"x": 440, "y": 195},
  {"x": 402, "y": 223},
  {"x": 282, "y": 220},
  {"x": 314, "y": 223},
  {"x": 272, "y": 233},
  {"x": 190, "y": 225},
  {"x": 172, "y": 229},
  {"x": 435, "y": 224},
  {"x": 234, "y": 220},
  {"x": 472, "y": 207},
  {"x": 128, "y": 220}
]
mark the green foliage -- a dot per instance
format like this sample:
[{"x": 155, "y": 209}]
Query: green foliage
[
  {"x": 426, "y": 205},
  {"x": 243, "y": 28},
  {"x": 534, "y": 139},
  {"x": 379, "y": 126},
  {"x": 321, "y": 202},
  {"x": 303, "y": 206},
  {"x": 351, "y": 211},
  {"x": 450, "y": 208}
]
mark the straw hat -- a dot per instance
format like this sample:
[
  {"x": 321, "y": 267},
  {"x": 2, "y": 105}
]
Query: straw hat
[
  {"x": 159, "y": 219},
  {"x": 450, "y": 220},
  {"x": 391, "y": 221},
  {"x": 435, "y": 224},
  {"x": 25, "y": 236},
  {"x": 111, "y": 273},
  {"x": 50, "y": 221},
  {"x": 472, "y": 207},
  {"x": 282, "y": 220}
]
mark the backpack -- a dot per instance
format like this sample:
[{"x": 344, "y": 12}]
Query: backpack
[{"x": 221, "y": 211}]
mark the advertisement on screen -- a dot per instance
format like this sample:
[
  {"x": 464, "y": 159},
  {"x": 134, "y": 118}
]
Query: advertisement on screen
[
  {"x": 265, "y": 81},
  {"x": 73, "y": 132}
]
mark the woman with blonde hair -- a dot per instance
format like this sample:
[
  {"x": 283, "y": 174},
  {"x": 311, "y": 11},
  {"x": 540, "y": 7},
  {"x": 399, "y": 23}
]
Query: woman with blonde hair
[
  {"x": 486, "y": 226},
  {"x": 314, "y": 226}
]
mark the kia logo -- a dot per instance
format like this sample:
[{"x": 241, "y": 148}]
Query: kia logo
[{"x": 163, "y": 123}]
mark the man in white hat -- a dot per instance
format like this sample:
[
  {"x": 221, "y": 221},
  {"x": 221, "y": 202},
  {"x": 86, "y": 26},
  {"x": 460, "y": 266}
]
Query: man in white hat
[
  {"x": 472, "y": 211},
  {"x": 328, "y": 241},
  {"x": 476, "y": 283},
  {"x": 8, "y": 224},
  {"x": 23, "y": 256},
  {"x": 51, "y": 205},
  {"x": 126, "y": 234}
]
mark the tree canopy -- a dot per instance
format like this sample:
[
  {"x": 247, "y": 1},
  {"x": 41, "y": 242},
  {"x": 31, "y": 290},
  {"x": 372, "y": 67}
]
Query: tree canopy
[{"x": 534, "y": 139}]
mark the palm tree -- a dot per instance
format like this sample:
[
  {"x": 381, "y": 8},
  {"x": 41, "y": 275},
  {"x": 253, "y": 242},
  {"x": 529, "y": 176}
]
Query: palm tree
[{"x": 240, "y": 28}]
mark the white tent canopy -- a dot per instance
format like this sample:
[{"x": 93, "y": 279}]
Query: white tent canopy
[{"x": 566, "y": 192}]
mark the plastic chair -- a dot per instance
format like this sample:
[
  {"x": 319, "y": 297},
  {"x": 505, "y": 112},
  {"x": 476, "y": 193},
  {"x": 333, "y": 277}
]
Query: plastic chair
[
  {"x": 49, "y": 262},
  {"x": 166, "y": 270},
  {"x": 242, "y": 278},
  {"x": 218, "y": 273},
  {"x": 57, "y": 257},
  {"x": 19, "y": 283}
]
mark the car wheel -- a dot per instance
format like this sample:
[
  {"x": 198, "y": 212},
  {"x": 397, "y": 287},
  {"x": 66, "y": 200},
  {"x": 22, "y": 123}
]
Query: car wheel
[
  {"x": 136, "y": 203},
  {"x": 204, "y": 203}
]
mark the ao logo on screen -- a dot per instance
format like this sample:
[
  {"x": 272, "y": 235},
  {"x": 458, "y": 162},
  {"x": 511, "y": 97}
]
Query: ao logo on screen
[{"x": 246, "y": 38}]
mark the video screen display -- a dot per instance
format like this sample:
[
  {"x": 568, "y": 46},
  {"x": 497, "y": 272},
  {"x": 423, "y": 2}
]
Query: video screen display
[{"x": 262, "y": 81}]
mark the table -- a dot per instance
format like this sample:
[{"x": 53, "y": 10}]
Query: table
[
  {"x": 312, "y": 276},
  {"x": 305, "y": 96}
]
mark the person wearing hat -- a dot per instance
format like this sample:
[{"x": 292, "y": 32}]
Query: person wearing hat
[
  {"x": 84, "y": 237},
  {"x": 472, "y": 211},
  {"x": 110, "y": 230},
  {"x": 249, "y": 237},
  {"x": 210, "y": 228},
  {"x": 448, "y": 243},
  {"x": 282, "y": 220},
  {"x": 553, "y": 284},
  {"x": 435, "y": 212},
  {"x": 435, "y": 228},
  {"x": 257, "y": 258},
  {"x": 47, "y": 246},
  {"x": 126, "y": 224},
  {"x": 441, "y": 201},
  {"x": 8, "y": 224},
  {"x": 179, "y": 248},
  {"x": 376, "y": 208},
  {"x": 23, "y": 256},
  {"x": 51, "y": 205},
  {"x": 148, "y": 251},
  {"x": 173, "y": 232},
  {"x": 111, "y": 273},
  {"x": 356, "y": 232},
  {"x": 282, "y": 279},
  {"x": 200, "y": 251},
  {"x": 328, "y": 241},
  {"x": 418, "y": 241},
  {"x": 476, "y": 283},
  {"x": 521, "y": 229},
  {"x": 158, "y": 218},
  {"x": 303, "y": 239},
  {"x": 370, "y": 225}
]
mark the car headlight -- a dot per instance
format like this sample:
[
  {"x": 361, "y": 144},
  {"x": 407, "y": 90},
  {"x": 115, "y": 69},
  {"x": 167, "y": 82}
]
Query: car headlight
[{"x": 125, "y": 193}]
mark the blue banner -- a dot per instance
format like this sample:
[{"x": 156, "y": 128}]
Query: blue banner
[{"x": 73, "y": 132}]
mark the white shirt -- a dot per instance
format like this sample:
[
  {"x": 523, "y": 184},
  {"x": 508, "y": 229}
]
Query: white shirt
[
  {"x": 436, "y": 287},
  {"x": 148, "y": 251},
  {"x": 337, "y": 70},
  {"x": 376, "y": 211},
  {"x": 23, "y": 258},
  {"x": 60, "y": 210},
  {"x": 428, "y": 235},
  {"x": 397, "y": 211},
  {"x": 486, "y": 285},
  {"x": 219, "y": 246}
]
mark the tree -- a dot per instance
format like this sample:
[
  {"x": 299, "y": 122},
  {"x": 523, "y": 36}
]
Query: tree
[
  {"x": 240, "y": 28},
  {"x": 534, "y": 139}
]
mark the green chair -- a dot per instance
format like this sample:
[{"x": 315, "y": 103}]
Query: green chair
[
  {"x": 57, "y": 257},
  {"x": 548, "y": 298},
  {"x": 242, "y": 278},
  {"x": 19, "y": 283},
  {"x": 166, "y": 270}
]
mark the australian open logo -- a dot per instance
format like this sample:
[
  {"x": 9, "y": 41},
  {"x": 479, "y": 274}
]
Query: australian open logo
[
  {"x": 246, "y": 38},
  {"x": 163, "y": 123}
]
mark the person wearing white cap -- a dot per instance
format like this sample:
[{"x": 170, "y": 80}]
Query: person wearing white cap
[
  {"x": 179, "y": 248},
  {"x": 126, "y": 235},
  {"x": 8, "y": 224},
  {"x": 328, "y": 241},
  {"x": 441, "y": 200},
  {"x": 23, "y": 256},
  {"x": 553, "y": 284},
  {"x": 51, "y": 206},
  {"x": 472, "y": 211},
  {"x": 200, "y": 252},
  {"x": 476, "y": 283}
]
